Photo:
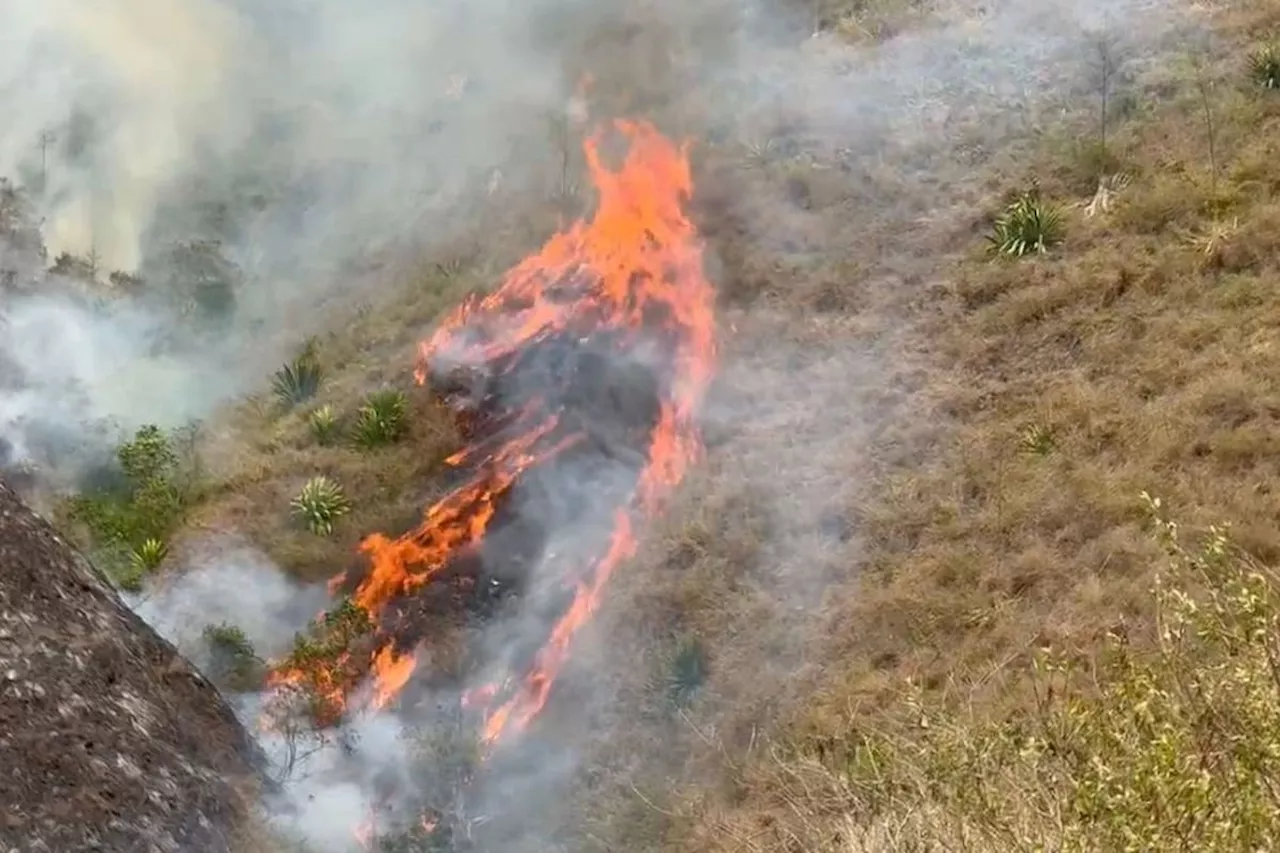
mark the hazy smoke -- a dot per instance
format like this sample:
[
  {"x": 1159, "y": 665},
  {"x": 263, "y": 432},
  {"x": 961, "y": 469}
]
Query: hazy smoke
[
  {"x": 294, "y": 137},
  {"x": 354, "y": 115}
]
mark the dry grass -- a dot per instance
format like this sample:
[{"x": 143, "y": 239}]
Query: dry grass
[
  {"x": 260, "y": 454},
  {"x": 1140, "y": 355}
]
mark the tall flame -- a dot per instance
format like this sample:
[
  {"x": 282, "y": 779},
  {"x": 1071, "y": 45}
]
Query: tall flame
[{"x": 633, "y": 272}]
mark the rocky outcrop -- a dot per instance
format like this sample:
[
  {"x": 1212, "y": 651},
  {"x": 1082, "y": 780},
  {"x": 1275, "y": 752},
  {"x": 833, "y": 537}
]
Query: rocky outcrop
[{"x": 109, "y": 740}]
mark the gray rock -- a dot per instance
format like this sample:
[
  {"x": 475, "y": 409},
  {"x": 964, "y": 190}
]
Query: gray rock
[{"x": 109, "y": 740}]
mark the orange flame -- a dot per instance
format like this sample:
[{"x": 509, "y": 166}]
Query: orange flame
[
  {"x": 634, "y": 269},
  {"x": 642, "y": 253}
]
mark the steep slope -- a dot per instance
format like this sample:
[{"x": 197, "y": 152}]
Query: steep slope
[{"x": 110, "y": 741}]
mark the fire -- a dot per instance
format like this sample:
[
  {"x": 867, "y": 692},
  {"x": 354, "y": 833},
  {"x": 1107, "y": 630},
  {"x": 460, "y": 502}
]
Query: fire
[{"x": 629, "y": 276}]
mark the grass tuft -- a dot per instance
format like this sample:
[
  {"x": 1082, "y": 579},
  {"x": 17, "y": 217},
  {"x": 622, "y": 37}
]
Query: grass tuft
[
  {"x": 1037, "y": 440},
  {"x": 319, "y": 504}
]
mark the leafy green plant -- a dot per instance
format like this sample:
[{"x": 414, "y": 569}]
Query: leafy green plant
[
  {"x": 149, "y": 456},
  {"x": 321, "y": 662},
  {"x": 319, "y": 504},
  {"x": 298, "y": 380},
  {"x": 383, "y": 419},
  {"x": 324, "y": 425},
  {"x": 1026, "y": 226},
  {"x": 1264, "y": 67}
]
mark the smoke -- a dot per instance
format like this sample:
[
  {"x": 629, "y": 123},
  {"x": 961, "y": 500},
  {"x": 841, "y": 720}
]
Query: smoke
[
  {"x": 263, "y": 147},
  {"x": 228, "y": 582},
  {"x": 327, "y": 785},
  {"x": 123, "y": 112},
  {"x": 300, "y": 135}
]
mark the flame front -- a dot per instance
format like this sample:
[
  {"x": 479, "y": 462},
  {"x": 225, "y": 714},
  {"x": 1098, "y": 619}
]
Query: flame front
[{"x": 631, "y": 273}]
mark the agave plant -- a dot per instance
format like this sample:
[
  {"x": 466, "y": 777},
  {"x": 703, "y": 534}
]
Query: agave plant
[
  {"x": 319, "y": 504},
  {"x": 298, "y": 380},
  {"x": 383, "y": 419},
  {"x": 324, "y": 424},
  {"x": 1264, "y": 67},
  {"x": 148, "y": 556},
  {"x": 1026, "y": 226},
  {"x": 1037, "y": 440},
  {"x": 686, "y": 671}
]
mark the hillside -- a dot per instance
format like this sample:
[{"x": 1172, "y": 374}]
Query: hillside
[{"x": 994, "y": 361}]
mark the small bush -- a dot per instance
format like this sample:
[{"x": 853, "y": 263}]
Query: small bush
[
  {"x": 324, "y": 425},
  {"x": 150, "y": 456},
  {"x": 233, "y": 659},
  {"x": 320, "y": 504},
  {"x": 1264, "y": 67},
  {"x": 298, "y": 380},
  {"x": 129, "y": 514},
  {"x": 1026, "y": 226},
  {"x": 383, "y": 419},
  {"x": 321, "y": 660}
]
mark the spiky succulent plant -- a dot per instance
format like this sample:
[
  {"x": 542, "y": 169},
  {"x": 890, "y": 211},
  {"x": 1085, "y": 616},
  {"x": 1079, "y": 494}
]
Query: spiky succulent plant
[
  {"x": 383, "y": 419},
  {"x": 320, "y": 504},
  {"x": 1026, "y": 226},
  {"x": 324, "y": 425},
  {"x": 148, "y": 556},
  {"x": 298, "y": 380},
  {"x": 1264, "y": 66}
]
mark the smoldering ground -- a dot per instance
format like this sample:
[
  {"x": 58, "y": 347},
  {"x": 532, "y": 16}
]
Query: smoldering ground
[{"x": 299, "y": 135}]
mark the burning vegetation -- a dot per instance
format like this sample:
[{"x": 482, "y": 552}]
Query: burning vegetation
[{"x": 577, "y": 384}]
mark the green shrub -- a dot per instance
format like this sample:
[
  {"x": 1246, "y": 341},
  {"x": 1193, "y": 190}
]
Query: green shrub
[
  {"x": 233, "y": 659},
  {"x": 321, "y": 655},
  {"x": 297, "y": 381},
  {"x": 383, "y": 419},
  {"x": 1026, "y": 226},
  {"x": 1264, "y": 67},
  {"x": 150, "y": 456},
  {"x": 324, "y": 425},
  {"x": 129, "y": 517},
  {"x": 320, "y": 504}
]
